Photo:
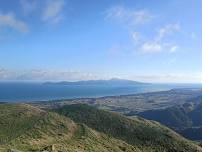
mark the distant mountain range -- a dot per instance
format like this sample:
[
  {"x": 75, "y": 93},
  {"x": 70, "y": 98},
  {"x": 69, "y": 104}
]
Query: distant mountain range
[{"x": 110, "y": 82}]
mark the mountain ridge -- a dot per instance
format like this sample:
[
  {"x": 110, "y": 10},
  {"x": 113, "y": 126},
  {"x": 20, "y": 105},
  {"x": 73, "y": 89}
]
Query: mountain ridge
[
  {"x": 50, "y": 132},
  {"x": 141, "y": 133},
  {"x": 113, "y": 81}
]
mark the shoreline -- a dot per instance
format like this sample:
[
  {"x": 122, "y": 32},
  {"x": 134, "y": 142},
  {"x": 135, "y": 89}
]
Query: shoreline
[
  {"x": 80, "y": 98},
  {"x": 102, "y": 97}
]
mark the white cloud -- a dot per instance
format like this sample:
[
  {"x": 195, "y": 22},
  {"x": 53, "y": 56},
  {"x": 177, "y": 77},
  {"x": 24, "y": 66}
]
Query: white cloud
[
  {"x": 157, "y": 47},
  {"x": 136, "y": 37},
  {"x": 173, "y": 48},
  {"x": 151, "y": 47},
  {"x": 9, "y": 20},
  {"x": 53, "y": 11},
  {"x": 167, "y": 30},
  {"x": 130, "y": 17},
  {"x": 28, "y": 6},
  {"x": 160, "y": 42},
  {"x": 55, "y": 75}
]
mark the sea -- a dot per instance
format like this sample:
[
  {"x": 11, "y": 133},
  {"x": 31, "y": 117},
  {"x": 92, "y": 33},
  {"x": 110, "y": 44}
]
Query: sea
[{"x": 38, "y": 91}]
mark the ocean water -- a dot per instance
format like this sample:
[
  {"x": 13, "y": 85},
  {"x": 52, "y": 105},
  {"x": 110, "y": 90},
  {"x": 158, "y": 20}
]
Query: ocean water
[{"x": 21, "y": 91}]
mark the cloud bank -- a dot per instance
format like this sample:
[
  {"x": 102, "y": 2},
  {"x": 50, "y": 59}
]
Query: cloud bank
[
  {"x": 55, "y": 75},
  {"x": 45, "y": 75}
]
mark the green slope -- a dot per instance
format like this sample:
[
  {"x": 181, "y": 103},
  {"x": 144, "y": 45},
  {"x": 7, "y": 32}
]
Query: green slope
[
  {"x": 141, "y": 133},
  {"x": 174, "y": 117},
  {"x": 28, "y": 129},
  {"x": 185, "y": 119}
]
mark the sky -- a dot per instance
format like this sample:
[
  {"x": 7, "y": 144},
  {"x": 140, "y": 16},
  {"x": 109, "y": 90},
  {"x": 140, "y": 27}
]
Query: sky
[{"x": 150, "y": 41}]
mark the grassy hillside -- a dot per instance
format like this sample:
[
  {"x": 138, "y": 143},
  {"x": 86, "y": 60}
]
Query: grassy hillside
[
  {"x": 175, "y": 117},
  {"x": 146, "y": 135},
  {"x": 186, "y": 119},
  {"x": 28, "y": 129}
]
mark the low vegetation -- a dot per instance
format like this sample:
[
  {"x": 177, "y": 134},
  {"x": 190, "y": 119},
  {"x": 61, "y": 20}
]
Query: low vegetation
[
  {"x": 81, "y": 128},
  {"x": 28, "y": 129},
  {"x": 185, "y": 119},
  {"x": 141, "y": 133}
]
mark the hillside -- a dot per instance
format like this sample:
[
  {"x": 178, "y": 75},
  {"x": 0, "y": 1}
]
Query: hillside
[
  {"x": 146, "y": 135},
  {"x": 174, "y": 117},
  {"x": 28, "y": 129},
  {"x": 186, "y": 118}
]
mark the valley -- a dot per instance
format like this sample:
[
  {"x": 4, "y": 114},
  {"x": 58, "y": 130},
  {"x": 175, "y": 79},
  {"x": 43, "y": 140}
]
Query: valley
[{"x": 179, "y": 109}]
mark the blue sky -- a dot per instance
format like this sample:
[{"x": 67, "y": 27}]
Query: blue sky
[{"x": 153, "y": 41}]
